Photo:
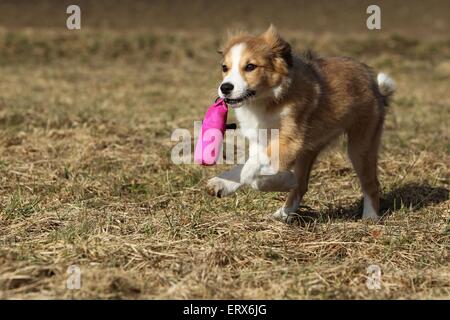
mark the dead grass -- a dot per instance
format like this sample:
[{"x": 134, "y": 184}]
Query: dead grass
[{"x": 86, "y": 177}]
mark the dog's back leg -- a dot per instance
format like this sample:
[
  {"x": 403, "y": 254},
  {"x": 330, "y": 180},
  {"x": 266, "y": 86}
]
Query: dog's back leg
[
  {"x": 363, "y": 144},
  {"x": 302, "y": 170}
]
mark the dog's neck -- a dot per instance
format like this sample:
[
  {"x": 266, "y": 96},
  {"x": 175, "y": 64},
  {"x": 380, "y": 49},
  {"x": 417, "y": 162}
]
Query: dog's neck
[
  {"x": 266, "y": 112},
  {"x": 280, "y": 91},
  {"x": 300, "y": 87}
]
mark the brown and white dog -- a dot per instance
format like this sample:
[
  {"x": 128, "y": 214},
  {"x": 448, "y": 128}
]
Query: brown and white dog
[{"x": 311, "y": 101}]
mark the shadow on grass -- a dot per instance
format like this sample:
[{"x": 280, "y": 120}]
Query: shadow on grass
[{"x": 412, "y": 196}]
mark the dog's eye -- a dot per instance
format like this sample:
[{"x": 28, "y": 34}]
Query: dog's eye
[
  {"x": 250, "y": 67},
  {"x": 224, "y": 68}
]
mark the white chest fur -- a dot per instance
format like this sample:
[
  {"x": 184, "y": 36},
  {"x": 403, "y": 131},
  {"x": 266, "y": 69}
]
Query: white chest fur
[
  {"x": 252, "y": 118},
  {"x": 256, "y": 124}
]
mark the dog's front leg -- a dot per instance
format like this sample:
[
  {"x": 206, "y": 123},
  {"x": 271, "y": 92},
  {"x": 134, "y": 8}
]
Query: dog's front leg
[
  {"x": 302, "y": 170},
  {"x": 226, "y": 183},
  {"x": 251, "y": 171},
  {"x": 261, "y": 176},
  {"x": 266, "y": 171}
]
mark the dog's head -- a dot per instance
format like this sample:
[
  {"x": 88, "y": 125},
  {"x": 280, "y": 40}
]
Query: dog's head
[{"x": 254, "y": 67}]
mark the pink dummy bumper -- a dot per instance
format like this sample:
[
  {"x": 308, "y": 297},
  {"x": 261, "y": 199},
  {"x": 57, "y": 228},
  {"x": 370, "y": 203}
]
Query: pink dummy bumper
[{"x": 211, "y": 134}]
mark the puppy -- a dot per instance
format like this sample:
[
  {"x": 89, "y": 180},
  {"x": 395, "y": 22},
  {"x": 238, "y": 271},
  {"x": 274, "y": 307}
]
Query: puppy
[{"x": 311, "y": 101}]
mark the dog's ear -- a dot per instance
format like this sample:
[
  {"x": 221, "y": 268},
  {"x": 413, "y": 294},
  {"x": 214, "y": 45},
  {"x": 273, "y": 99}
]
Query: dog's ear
[
  {"x": 271, "y": 33},
  {"x": 278, "y": 45}
]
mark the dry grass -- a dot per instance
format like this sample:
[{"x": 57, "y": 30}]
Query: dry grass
[{"x": 86, "y": 176}]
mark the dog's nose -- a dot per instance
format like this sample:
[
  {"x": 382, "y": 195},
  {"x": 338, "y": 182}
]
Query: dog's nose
[{"x": 226, "y": 87}]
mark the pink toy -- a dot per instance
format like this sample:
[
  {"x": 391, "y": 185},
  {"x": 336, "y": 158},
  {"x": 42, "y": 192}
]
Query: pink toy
[{"x": 211, "y": 134}]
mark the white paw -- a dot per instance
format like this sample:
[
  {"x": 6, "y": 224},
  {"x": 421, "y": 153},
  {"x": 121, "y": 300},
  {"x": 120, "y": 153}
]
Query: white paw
[
  {"x": 284, "y": 215},
  {"x": 219, "y": 187},
  {"x": 371, "y": 215},
  {"x": 280, "y": 214}
]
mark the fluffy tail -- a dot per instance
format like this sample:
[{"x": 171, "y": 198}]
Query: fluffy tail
[{"x": 386, "y": 86}]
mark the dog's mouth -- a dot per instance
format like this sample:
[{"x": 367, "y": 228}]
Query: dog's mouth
[{"x": 232, "y": 102}]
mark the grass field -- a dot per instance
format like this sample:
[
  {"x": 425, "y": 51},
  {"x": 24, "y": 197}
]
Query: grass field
[{"x": 86, "y": 178}]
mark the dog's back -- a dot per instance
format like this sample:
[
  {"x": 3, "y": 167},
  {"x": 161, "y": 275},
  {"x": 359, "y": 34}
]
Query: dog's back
[{"x": 347, "y": 95}]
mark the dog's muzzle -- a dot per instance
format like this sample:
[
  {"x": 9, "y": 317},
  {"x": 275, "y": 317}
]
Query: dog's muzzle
[{"x": 248, "y": 94}]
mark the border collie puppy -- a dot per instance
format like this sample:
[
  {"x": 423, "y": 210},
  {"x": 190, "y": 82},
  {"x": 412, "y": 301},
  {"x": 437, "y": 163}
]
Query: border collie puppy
[{"x": 311, "y": 101}]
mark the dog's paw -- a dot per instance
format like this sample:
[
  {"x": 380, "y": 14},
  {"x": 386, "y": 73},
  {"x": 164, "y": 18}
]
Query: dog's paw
[
  {"x": 369, "y": 213},
  {"x": 284, "y": 215},
  {"x": 281, "y": 214},
  {"x": 218, "y": 187},
  {"x": 371, "y": 216}
]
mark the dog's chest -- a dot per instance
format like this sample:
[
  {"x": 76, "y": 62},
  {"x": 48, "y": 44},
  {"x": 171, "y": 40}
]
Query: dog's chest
[{"x": 251, "y": 119}]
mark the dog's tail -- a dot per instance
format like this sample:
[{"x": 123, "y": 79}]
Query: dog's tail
[{"x": 386, "y": 86}]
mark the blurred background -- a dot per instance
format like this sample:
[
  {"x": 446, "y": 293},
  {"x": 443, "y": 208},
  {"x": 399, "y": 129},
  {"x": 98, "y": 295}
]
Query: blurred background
[{"x": 418, "y": 18}]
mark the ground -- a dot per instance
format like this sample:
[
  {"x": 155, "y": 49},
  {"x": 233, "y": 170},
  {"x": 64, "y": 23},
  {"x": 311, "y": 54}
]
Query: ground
[{"x": 86, "y": 177}]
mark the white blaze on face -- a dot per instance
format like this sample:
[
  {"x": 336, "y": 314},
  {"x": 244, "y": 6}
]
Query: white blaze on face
[{"x": 234, "y": 76}]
